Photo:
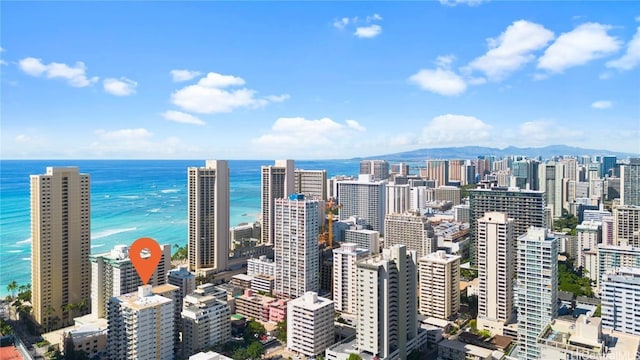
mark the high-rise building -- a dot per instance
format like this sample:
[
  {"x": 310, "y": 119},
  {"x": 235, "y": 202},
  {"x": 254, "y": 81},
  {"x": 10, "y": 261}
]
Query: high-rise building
[
  {"x": 447, "y": 193},
  {"x": 310, "y": 328},
  {"x": 364, "y": 239},
  {"x": 613, "y": 257},
  {"x": 311, "y": 183},
  {"x": 570, "y": 168},
  {"x": 468, "y": 173},
  {"x": 61, "y": 235},
  {"x": 524, "y": 206},
  {"x": 401, "y": 169},
  {"x": 609, "y": 166},
  {"x": 387, "y": 306},
  {"x": 496, "y": 269},
  {"x": 296, "y": 227},
  {"x": 455, "y": 170},
  {"x": 412, "y": 230},
  {"x": 439, "y": 285},
  {"x": 364, "y": 199},
  {"x": 626, "y": 225},
  {"x": 438, "y": 170},
  {"x": 537, "y": 288},
  {"x": 205, "y": 321},
  {"x": 551, "y": 176},
  {"x": 377, "y": 169},
  {"x": 185, "y": 281},
  {"x": 278, "y": 182},
  {"x": 208, "y": 210},
  {"x": 589, "y": 236},
  {"x": 525, "y": 174},
  {"x": 113, "y": 274},
  {"x": 344, "y": 276},
  {"x": 397, "y": 199},
  {"x": 141, "y": 326},
  {"x": 620, "y": 299}
]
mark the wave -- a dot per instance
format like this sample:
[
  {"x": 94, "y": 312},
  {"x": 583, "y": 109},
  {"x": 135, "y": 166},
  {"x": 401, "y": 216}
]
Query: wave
[
  {"x": 131, "y": 197},
  {"x": 105, "y": 233},
  {"x": 14, "y": 251},
  {"x": 169, "y": 191},
  {"x": 26, "y": 259},
  {"x": 25, "y": 241},
  {"x": 97, "y": 246},
  {"x": 155, "y": 210}
]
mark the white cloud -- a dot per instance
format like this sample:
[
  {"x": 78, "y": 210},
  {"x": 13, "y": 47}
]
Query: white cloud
[
  {"x": 631, "y": 57},
  {"x": 512, "y": 49},
  {"x": 124, "y": 134},
  {"x": 184, "y": 75},
  {"x": 307, "y": 134},
  {"x": 22, "y": 138},
  {"x": 585, "y": 43},
  {"x": 368, "y": 32},
  {"x": 374, "y": 17},
  {"x": 355, "y": 125},
  {"x": 210, "y": 95},
  {"x": 341, "y": 23},
  {"x": 601, "y": 104},
  {"x": 465, "y": 2},
  {"x": 440, "y": 81},
  {"x": 181, "y": 117},
  {"x": 120, "y": 87},
  {"x": 544, "y": 132},
  {"x": 455, "y": 130},
  {"x": 75, "y": 75}
]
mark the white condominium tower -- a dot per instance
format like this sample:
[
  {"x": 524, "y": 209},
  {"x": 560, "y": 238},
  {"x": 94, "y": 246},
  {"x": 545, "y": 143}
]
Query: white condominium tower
[
  {"x": 387, "y": 300},
  {"x": 278, "y": 181},
  {"x": 439, "y": 285},
  {"x": 621, "y": 299},
  {"x": 397, "y": 199},
  {"x": 537, "y": 288},
  {"x": 345, "y": 274},
  {"x": 412, "y": 230},
  {"x": 364, "y": 199},
  {"x": 113, "y": 274},
  {"x": 630, "y": 183},
  {"x": 141, "y": 326},
  {"x": 496, "y": 270},
  {"x": 208, "y": 209},
  {"x": 310, "y": 329},
  {"x": 296, "y": 228},
  {"x": 205, "y": 322},
  {"x": 61, "y": 235}
]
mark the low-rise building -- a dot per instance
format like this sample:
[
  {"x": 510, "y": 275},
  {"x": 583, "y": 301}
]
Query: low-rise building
[{"x": 310, "y": 324}]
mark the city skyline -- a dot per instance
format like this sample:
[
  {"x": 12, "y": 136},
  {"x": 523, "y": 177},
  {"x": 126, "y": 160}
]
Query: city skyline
[{"x": 241, "y": 81}]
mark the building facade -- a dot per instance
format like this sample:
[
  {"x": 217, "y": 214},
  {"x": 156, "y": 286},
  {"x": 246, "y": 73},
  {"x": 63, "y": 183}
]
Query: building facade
[
  {"x": 537, "y": 288},
  {"x": 297, "y": 226},
  {"x": 311, "y": 183},
  {"x": 206, "y": 321},
  {"x": 208, "y": 216},
  {"x": 630, "y": 183},
  {"x": 310, "y": 328},
  {"x": 277, "y": 181},
  {"x": 412, "y": 230},
  {"x": 621, "y": 299},
  {"x": 345, "y": 297},
  {"x": 365, "y": 199},
  {"x": 61, "y": 236},
  {"x": 377, "y": 169},
  {"x": 439, "y": 285}
]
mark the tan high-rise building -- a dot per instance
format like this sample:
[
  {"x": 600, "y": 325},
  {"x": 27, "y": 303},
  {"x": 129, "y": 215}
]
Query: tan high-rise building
[
  {"x": 61, "y": 233},
  {"x": 496, "y": 269},
  {"x": 438, "y": 170},
  {"x": 439, "y": 285},
  {"x": 455, "y": 170},
  {"x": 278, "y": 182},
  {"x": 208, "y": 209},
  {"x": 311, "y": 183},
  {"x": 412, "y": 230},
  {"x": 626, "y": 226}
]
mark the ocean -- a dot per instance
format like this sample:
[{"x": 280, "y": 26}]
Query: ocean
[{"x": 129, "y": 199}]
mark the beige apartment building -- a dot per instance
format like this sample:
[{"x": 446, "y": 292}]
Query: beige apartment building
[
  {"x": 61, "y": 235},
  {"x": 439, "y": 285},
  {"x": 278, "y": 181}
]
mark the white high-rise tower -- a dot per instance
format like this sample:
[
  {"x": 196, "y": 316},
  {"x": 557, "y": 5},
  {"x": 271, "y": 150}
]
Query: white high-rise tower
[{"x": 278, "y": 181}]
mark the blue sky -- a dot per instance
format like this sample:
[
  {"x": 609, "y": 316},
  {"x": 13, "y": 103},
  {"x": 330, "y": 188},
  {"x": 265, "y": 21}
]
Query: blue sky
[{"x": 257, "y": 80}]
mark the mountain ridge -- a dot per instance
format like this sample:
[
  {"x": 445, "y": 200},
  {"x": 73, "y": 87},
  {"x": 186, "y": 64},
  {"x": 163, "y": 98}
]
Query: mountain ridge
[{"x": 472, "y": 152}]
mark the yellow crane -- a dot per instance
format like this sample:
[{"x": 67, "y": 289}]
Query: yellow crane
[{"x": 329, "y": 208}]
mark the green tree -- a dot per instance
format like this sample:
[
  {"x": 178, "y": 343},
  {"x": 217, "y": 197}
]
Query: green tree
[
  {"x": 240, "y": 354},
  {"x": 473, "y": 324},
  {"x": 598, "y": 311},
  {"x": 255, "y": 350},
  {"x": 354, "y": 357},
  {"x": 253, "y": 330},
  {"x": 5, "y": 328},
  {"x": 281, "y": 331},
  {"x": 12, "y": 288}
]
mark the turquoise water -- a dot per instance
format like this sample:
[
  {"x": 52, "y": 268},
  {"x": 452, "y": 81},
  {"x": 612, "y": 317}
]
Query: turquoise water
[{"x": 129, "y": 199}]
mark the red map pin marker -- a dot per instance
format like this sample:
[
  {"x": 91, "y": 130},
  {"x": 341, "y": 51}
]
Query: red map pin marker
[{"x": 145, "y": 266}]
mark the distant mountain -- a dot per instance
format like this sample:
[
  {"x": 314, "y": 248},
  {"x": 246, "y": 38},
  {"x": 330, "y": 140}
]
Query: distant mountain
[{"x": 472, "y": 152}]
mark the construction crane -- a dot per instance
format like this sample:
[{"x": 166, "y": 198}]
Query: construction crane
[{"x": 329, "y": 208}]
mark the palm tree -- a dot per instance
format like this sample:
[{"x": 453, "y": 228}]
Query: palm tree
[{"x": 12, "y": 288}]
